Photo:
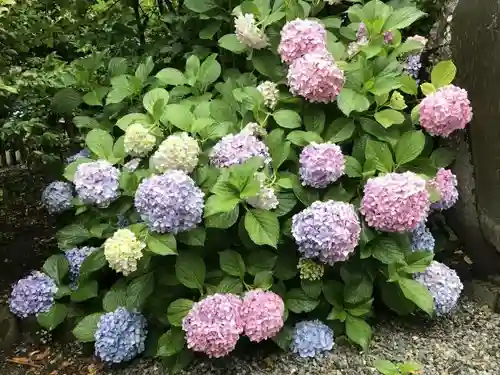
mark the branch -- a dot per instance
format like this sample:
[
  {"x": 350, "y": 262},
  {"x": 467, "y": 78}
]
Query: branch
[{"x": 140, "y": 25}]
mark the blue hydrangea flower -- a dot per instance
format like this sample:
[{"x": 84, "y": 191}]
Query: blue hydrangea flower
[
  {"x": 169, "y": 203},
  {"x": 83, "y": 153},
  {"x": 444, "y": 285},
  {"x": 32, "y": 295},
  {"x": 413, "y": 65},
  {"x": 57, "y": 197},
  {"x": 97, "y": 183},
  {"x": 311, "y": 338},
  {"x": 422, "y": 238},
  {"x": 120, "y": 336},
  {"x": 75, "y": 258}
]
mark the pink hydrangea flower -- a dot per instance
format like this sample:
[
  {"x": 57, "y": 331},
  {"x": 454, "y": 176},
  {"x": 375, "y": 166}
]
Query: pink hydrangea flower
[
  {"x": 214, "y": 324},
  {"x": 262, "y": 314},
  {"x": 299, "y": 37},
  {"x": 321, "y": 164},
  {"x": 446, "y": 110},
  {"x": 316, "y": 77},
  {"x": 446, "y": 183},
  {"x": 395, "y": 202}
]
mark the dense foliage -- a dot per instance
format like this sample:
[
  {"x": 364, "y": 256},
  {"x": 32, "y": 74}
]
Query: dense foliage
[{"x": 276, "y": 186}]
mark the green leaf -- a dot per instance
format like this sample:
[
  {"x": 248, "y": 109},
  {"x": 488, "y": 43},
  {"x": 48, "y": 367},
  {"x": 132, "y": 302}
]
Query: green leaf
[
  {"x": 171, "y": 76},
  {"x": 124, "y": 122},
  {"x": 380, "y": 154},
  {"x": 232, "y": 263},
  {"x": 358, "y": 331},
  {"x": 117, "y": 66},
  {"x": 162, "y": 244},
  {"x": 95, "y": 96},
  {"x": 386, "y": 367},
  {"x": 52, "y": 318},
  {"x": 231, "y": 43},
  {"x": 56, "y": 267},
  {"x": 152, "y": 97},
  {"x": 216, "y": 204},
  {"x": 144, "y": 69},
  {"x": 386, "y": 250},
  {"x": 311, "y": 287},
  {"x": 298, "y": 301},
  {"x": 260, "y": 261},
  {"x": 352, "y": 167},
  {"x": 389, "y": 117},
  {"x": 340, "y": 130},
  {"x": 230, "y": 284},
  {"x": 86, "y": 290},
  {"x": 123, "y": 87},
  {"x": 443, "y": 73},
  {"x": 86, "y": 328},
  {"x": 418, "y": 294},
  {"x": 408, "y": 84},
  {"x": 193, "y": 237},
  {"x": 284, "y": 338},
  {"x": 358, "y": 290},
  {"x": 85, "y": 122},
  {"x": 306, "y": 195},
  {"x": 263, "y": 280},
  {"x": 171, "y": 342},
  {"x": 349, "y": 101},
  {"x": 94, "y": 262},
  {"x": 418, "y": 261},
  {"x": 286, "y": 265},
  {"x": 139, "y": 290},
  {"x": 334, "y": 293},
  {"x": 223, "y": 220},
  {"x": 409, "y": 147},
  {"x": 314, "y": 119},
  {"x": 100, "y": 142},
  {"x": 209, "y": 31},
  {"x": 278, "y": 147},
  {"x": 210, "y": 71},
  {"x": 67, "y": 100},
  {"x": 268, "y": 64},
  {"x": 190, "y": 270},
  {"x": 200, "y": 6},
  {"x": 443, "y": 157},
  {"x": 402, "y": 18},
  {"x": 287, "y": 119},
  {"x": 178, "y": 310},
  {"x": 302, "y": 138},
  {"x": 263, "y": 227},
  {"x": 410, "y": 367},
  {"x": 115, "y": 297},
  {"x": 179, "y": 115},
  {"x": 427, "y": 88}
]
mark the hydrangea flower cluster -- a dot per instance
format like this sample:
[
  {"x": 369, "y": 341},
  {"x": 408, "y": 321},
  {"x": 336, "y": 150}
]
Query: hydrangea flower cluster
[
  {"x": 422, "y": 238},
  {"x": 97, "y": 183},
  {"x": 413, "y": 65},
  {"x": 236, "y": 149},
  {"x": 248, "y": 32},
  {"x": 300, "y": 37},
  {"x": 83, "y": 153},
  {"x": 169, "y": 203},
  {"x": 310, "y": 270},
  {"x": 138, "y": 141},
  {"x": 446, "y": 110},
  {"x": 76, "y": 257},
  {"x": 57, "y": 197},
  {"x": 262, "y": 314},
  {"x": 123, "y": 250},
  {"x": 446, "y": 182},
  {"x": 395, "y": 202},
  {"x": 311, "y": 338},
  {"x": 214, "y": 324},
  {"x": 444, "y": 285},
  {"x": 329, "y": 230},
  {"x": 270, "y": 92},
  {"x": 32, "y": 295},
  {"x": 120, "y": 336},
  {"x": 321, "y": 164},
  {"x": 178, "y": 151},
  {"x": 266, "y": 198}
]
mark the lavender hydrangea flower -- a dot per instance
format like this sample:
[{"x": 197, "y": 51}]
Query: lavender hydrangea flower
[
  {"x": 76, "y": 257},
  {"x": 413, "y": 65},
  {"x": 422, "y": 239},
  {"x": 311, "y": 338},
  {"x": 57, "y": 197},
  {"x": 444, "y": 285},
  {"x": 321, "y": 164},
  {"x": 329, "y": 230},
  {"x": 446, "y": 183},
  {"x": 32, "y": 295},
  {"x": 170, "y": 203},
  {"x": 83, "y": 153},
  {"x": 120, "y": 336},
  {"x": 236, "y": 149}
]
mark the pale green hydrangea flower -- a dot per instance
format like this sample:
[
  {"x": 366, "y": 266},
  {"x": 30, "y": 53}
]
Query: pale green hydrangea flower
[
  {"x": 138, "y": 141},
  {"x": 179, "y": 151},
  {"x": 123, "y": 250}
]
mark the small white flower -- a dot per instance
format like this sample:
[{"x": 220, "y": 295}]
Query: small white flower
[
  {"x": 270, "y": 92},
  {"x": 138, "y": 141},
  {"x": 248, "y": 32},
  {"x": 266, "y": 198}
]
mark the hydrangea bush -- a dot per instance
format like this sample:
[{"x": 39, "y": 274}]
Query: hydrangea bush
[{"x": 270, "y": 190}]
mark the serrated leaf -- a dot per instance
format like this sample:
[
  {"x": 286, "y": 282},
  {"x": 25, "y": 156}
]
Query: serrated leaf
[
  {"x": 190, "y": 270},
  {"x": 263, "y": 227},
  {"x": 178, "y": 310},
  {"x": 417, "y": 293},
  {"x": 358, "y": 331},
  {"x": 443, "y": 73},
  {"x": 232, "y": 263},
  {"x": 409, "y": 147},
  {"x": 86, "y": 328}
]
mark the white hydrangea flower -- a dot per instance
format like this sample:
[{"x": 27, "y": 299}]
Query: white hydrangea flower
[
  {"x": 270, "y": 92},
  {"x": 138, "y": 141},
  {"x": 252, "y": 128},
  {"x": 248, "y": 32},
  {"x": 123, "y": 251},
  {"x": 179, "y": 151},
  {"x": 266, "y": 198}
]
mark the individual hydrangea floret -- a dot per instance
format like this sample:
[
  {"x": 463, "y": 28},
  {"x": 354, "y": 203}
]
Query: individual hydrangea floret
[
  {"x": 310, "y": 270},
  {"x": 446, "y": 110},
  {"x": 123, "y": 250},
  {"x": 395, "y": 202},
  {"x": 444, "y": 285},
  {"x": 32, "y": 295},
  {"x": 76, "y": 257},
  {"x": 236, "y": 149},
  {"x": 329, "y": 230},
  {"x": 299, "y": 37},
  {"x": 138, "y": 141},
  {"x": 57, "y": 197},
  {"x": 120, "y": 336},
  {"x": 170, "y": 203},
  {"x": 311, "y": 338},
  {"x": 422, "y": 239},
  {"x": 97, "y": 183},
  {"x": 262, "y": 314},
  {"x": 270, "y": 92},
  {"x": 316, "y": 77},
  {"x": 132, "y": 165},
  {"x": 266, "y": 198},
  {"x": 179, "y": 151},
  {"x": 83, "y": 153},
  {"x": 321, "y": 164},
  {"x": 248, "y": 32},
  {"x": 214, "y": 325},
  {"x": 446, "y": 183}
]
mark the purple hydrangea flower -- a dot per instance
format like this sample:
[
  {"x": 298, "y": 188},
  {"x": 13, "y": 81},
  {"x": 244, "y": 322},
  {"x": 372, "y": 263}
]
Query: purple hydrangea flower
[
  {"x": 236, "y": 149},
  {"x": 446, "y": 183},
  {"x": 97, "y": 183},
  {"x": 75, "y": 257},
  {"x": 32, "y": 295},
  {"x": 57, "y": 197},
  {"x": 170, "y": 203},
  {"x": 311, "y": 338},
  {"x": 388, "y": 37},
  {"x": 83, "y": 153},
  {"x": 120, "y": 336},
  {"x": 328, "y": 230},
  {"x": 413, "y": 65},
  {"x": 422, "y": 239},
  {"x": 321, "y": 164}
]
